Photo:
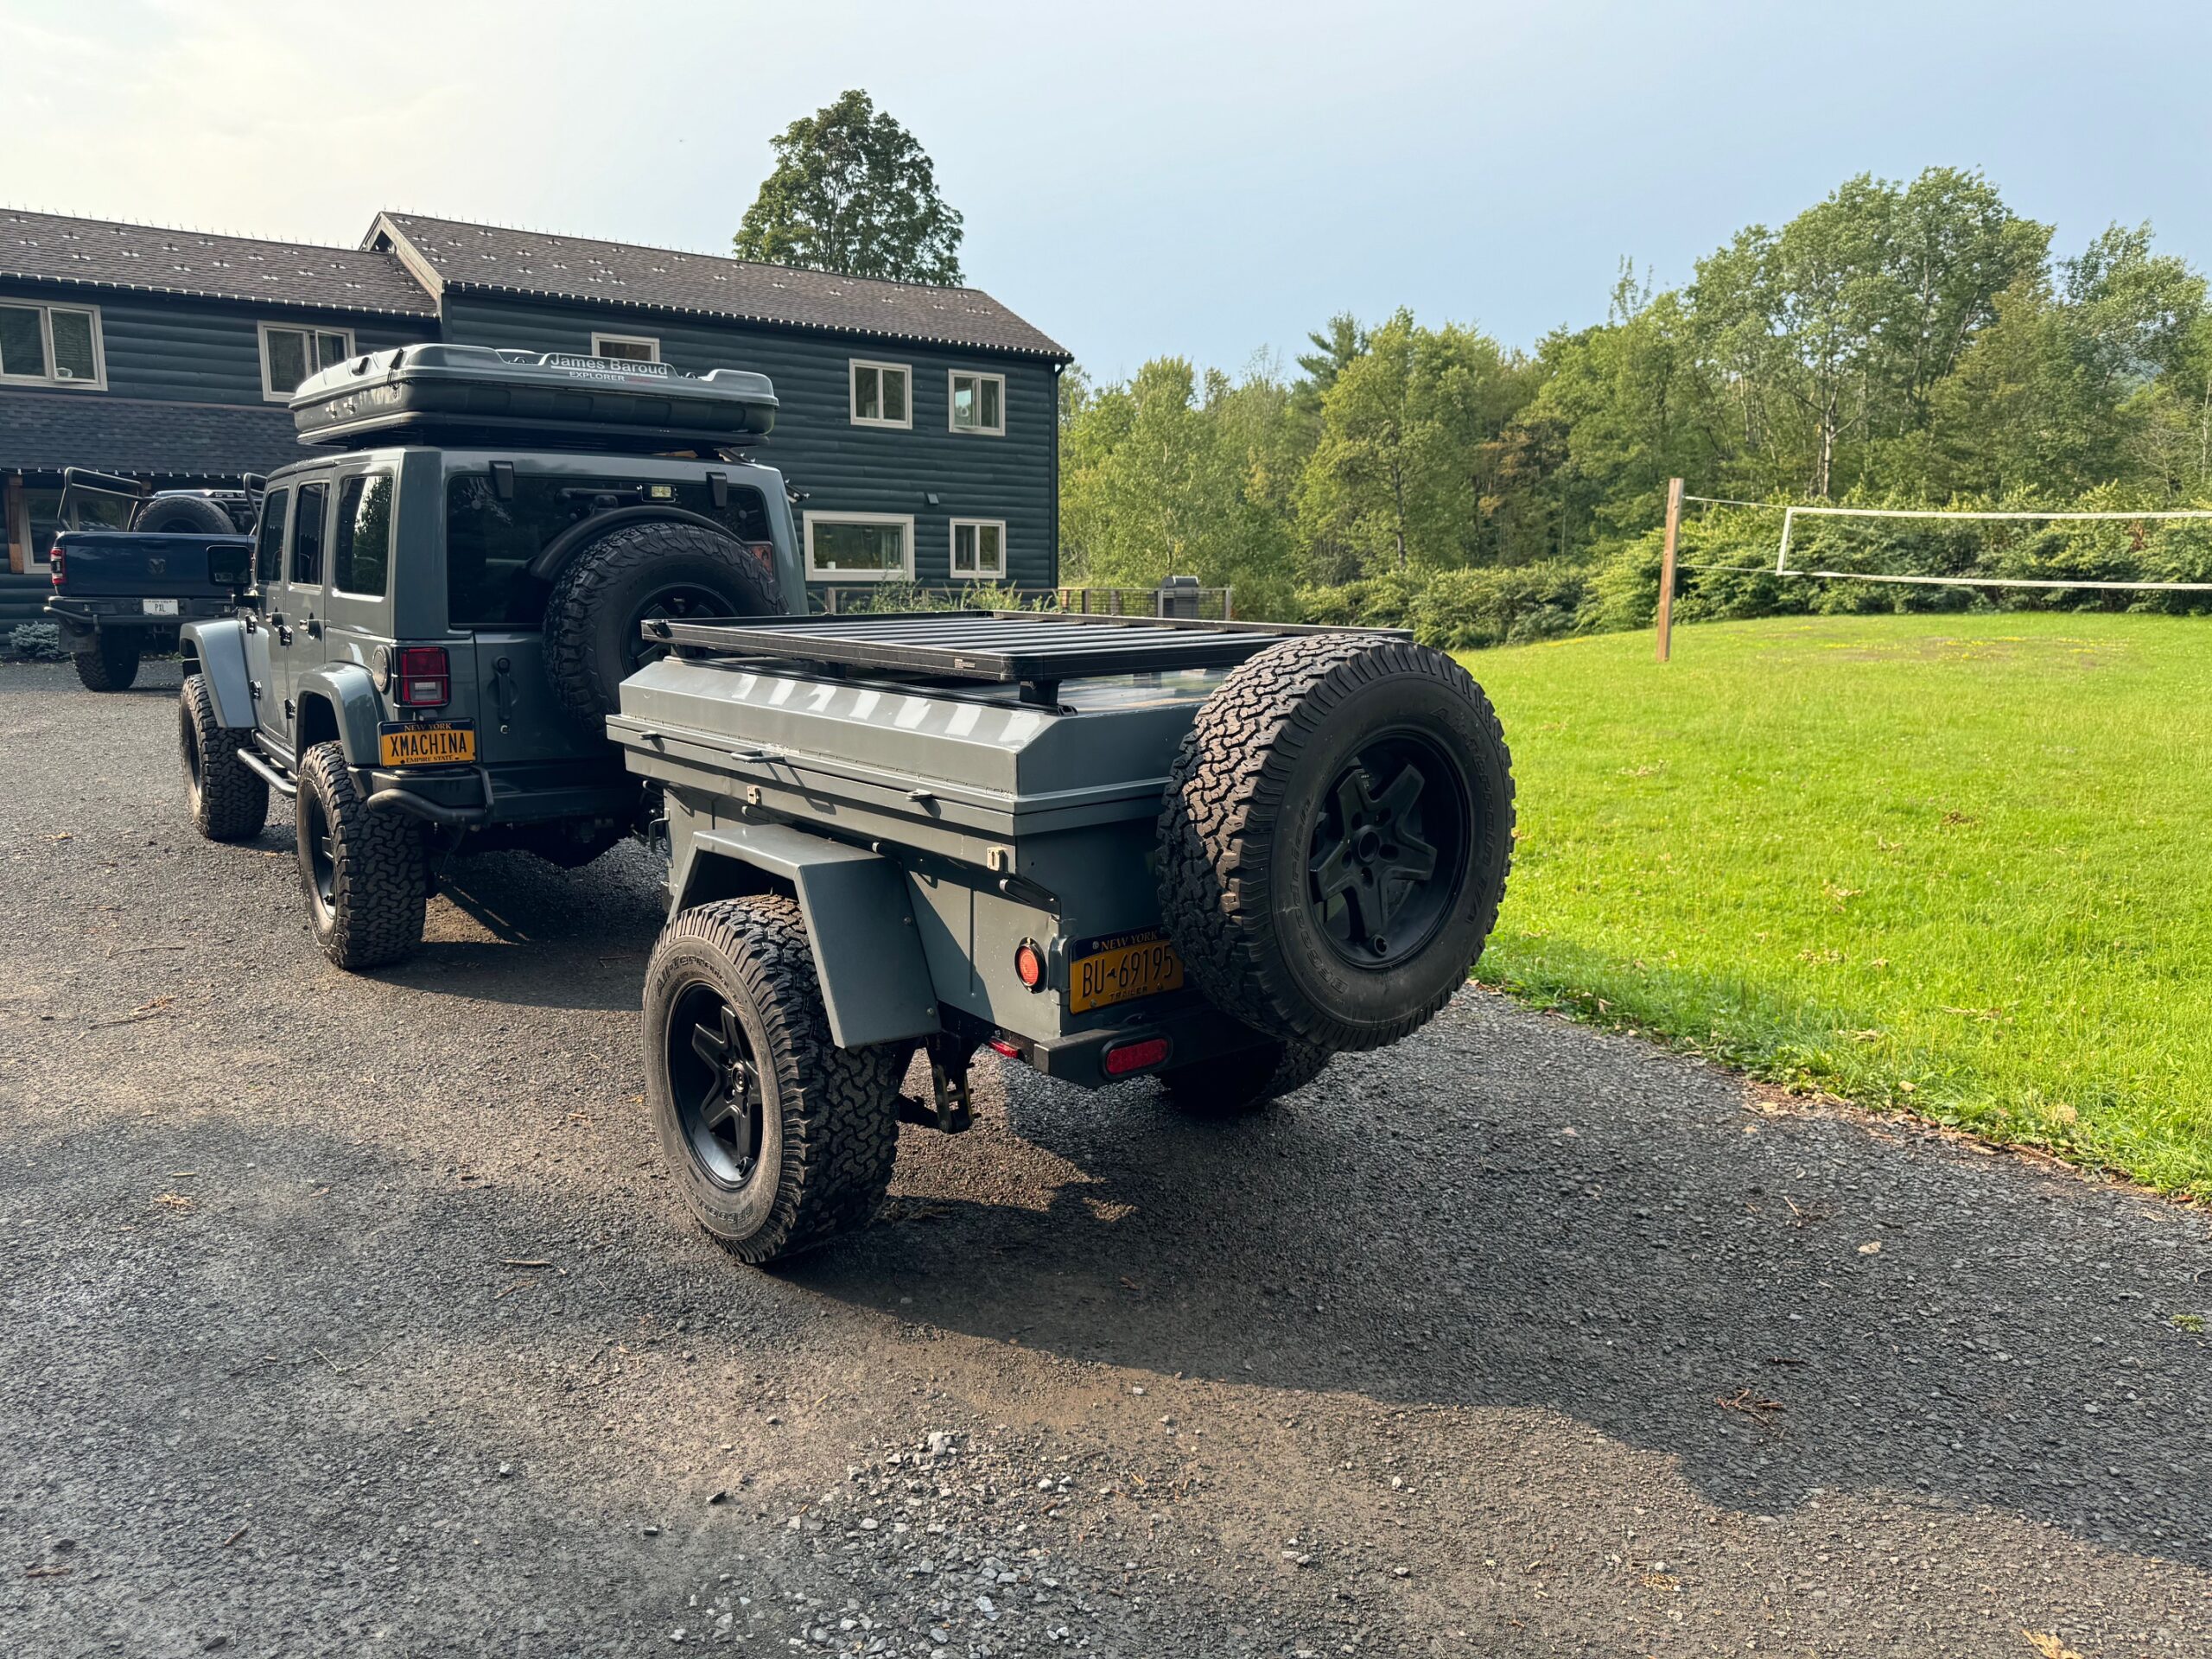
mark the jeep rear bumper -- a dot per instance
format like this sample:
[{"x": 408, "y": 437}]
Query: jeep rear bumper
[{"x": 516, "y": 793}]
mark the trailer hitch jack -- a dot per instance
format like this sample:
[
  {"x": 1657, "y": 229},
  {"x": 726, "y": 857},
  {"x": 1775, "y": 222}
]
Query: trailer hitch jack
[{"x": 948, "y": 1057}]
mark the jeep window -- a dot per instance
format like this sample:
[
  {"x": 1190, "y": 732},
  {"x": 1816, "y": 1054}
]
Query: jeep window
[
  {"x": 306, "y": 536},
  {"x": 361, "y": 552},
  {"x": 290, "y": 355},
  {"x": 268, "y": 546},
  {"x": 880, "y": 394},
  {"x": 489, "y": 542}
]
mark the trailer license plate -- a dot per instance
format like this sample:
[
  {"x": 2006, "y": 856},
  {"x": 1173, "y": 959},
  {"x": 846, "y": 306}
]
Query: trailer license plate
[
  {"x": 159, "y": 606},
  {"x": 420, "y": 743},
  {"x": 1121, "y": 968}
]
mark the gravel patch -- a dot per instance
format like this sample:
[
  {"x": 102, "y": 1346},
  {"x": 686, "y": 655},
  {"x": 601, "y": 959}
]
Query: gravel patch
[{"x": 352, "y": 1314}]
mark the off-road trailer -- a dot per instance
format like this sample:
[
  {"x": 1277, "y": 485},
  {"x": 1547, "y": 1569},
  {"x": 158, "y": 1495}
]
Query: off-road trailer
[{"x": 1215, "y": 853}]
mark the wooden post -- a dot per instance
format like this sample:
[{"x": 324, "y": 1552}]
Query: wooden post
[{"x": 1667, "y": 567}]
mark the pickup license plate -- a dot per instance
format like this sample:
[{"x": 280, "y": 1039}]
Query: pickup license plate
[
  {"x": 1121, "y": 968},
  {"x": 159, "y": 606},
  {"x": 426, "y": 743}
]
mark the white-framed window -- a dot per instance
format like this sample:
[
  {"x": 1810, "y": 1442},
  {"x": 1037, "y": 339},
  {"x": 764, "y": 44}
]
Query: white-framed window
[
  {"x": 628, "y": 348},
  {"x": 975, "y": 403},
  {"x": 860, "y": 546},
  {"x": 883, "y": 394},
  {"x": 290, "y": 353},
  {"x": 979, "y": 548},
  {"x": 52, "y": 345}
]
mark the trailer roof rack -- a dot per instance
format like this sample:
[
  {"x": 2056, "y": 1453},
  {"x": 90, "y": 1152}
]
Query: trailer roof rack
[{"x": 1035, "y": 650}]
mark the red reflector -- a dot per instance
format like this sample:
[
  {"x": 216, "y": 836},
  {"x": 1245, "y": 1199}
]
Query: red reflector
[
  {"x": 1029, "y": 964},
  {"x": 424, "y": 681},
  {"x": 1001, "y": 1045},
  {"x": 56, "y": 558},
  {"x": 1125, "y": 1057}
]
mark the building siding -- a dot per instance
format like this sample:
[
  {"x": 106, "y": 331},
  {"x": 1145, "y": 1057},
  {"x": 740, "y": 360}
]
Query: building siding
[
  {"x": 201, "y": 351},
  {"x": 836, "y": 466}
]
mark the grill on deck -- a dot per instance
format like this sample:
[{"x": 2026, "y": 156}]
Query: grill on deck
[{"x": 1035, "y": 650}]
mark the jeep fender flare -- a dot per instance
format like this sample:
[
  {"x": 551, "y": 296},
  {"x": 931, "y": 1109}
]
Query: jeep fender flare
[
  {"x": 351, "y": 696},
  {"x": 215, "y": 649},
  {"x": 860, "y": 920}
]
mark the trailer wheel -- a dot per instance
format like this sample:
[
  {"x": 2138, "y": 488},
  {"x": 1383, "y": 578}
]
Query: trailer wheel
[
  {"x": 110, "y": 663},
  {"x": 630, "y": 576},
  {"x": 1237, "y": 1085},
  {"x": 227, "y": 802},
  {"x": 362, "y": 871},
  {"x": 780, "y": 1140},
  {"x": 1336, "y": 838}
]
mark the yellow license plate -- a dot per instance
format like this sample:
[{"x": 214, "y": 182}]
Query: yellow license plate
[
  {"x": 1121, "y": 968},
  {"x": 413, "y": 744}
]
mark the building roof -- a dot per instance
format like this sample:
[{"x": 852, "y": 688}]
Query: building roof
[
  {"x": 45, "y": 431},
  {"x": 105, "y": 253},
  {"x": 454, "y": 255}
]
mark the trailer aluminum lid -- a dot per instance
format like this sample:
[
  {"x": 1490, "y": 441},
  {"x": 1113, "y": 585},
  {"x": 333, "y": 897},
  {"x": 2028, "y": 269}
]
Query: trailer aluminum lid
[
  {"x": 556, "y": 400},
  {"x": 1034, "y": 649}
]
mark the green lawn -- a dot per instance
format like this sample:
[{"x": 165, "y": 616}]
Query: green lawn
[{"x": 1961, "y": 865}]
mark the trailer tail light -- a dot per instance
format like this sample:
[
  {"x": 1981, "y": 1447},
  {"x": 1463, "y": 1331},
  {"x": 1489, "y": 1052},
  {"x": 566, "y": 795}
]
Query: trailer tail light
[
  {"x": 1029, "y": 964},
  {"x": 424, "y": 680},
  {"x": 1123, "y": 1059},
  {"x": 999, "y": 1046}
]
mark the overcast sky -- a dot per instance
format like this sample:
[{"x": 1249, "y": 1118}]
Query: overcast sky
[{"x": 1138, "y": 179}]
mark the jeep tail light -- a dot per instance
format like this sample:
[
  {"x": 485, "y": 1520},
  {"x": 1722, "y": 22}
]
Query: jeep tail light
[
  {"x": 1124, "y": 1058},
  {"x": 424, "y": 680}
]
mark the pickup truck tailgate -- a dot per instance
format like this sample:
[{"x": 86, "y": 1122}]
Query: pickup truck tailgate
[{"x": 97, "y": 563}]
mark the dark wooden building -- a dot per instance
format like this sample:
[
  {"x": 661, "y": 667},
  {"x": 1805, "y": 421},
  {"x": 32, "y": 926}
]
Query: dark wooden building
[{"x": 919, "y": 424}]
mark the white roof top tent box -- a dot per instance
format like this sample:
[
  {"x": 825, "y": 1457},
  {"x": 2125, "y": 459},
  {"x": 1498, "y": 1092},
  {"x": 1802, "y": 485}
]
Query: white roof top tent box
[{"x": 452, "y": 393}]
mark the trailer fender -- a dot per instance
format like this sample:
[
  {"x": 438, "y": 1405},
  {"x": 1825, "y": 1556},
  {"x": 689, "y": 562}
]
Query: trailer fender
[
  {"x": 346, "y": 690},
  {"x": 859, "y": 921},
  {"x": 215, "y": 649}
]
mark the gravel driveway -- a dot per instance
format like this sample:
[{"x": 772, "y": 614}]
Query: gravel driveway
[{"x": 353, "y": 1315}]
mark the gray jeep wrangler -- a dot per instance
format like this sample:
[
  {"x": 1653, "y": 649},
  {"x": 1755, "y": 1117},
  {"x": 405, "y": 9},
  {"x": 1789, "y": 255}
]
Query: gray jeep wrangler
[{"x": 444, "y": 604}]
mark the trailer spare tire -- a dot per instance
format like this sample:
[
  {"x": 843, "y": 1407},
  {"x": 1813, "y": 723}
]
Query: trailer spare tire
[
  {"x": 184, "y": 515},
  {"x": 1336, "y": 836},
  {"x": 631, "y": 575}
]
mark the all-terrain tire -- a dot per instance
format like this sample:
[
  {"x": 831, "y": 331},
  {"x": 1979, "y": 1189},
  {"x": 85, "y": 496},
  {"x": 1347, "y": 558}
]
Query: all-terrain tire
[
  {"x": 1265, "y": 803},
  {"x": 185, "y": 515},
  {"x": 1237, "y": 1085},
  {"x": 626, "y": 577},
  {"x": 110, "y": 663},
  {"x": 227, "y": 802},
  {"x": 827, "y": 1117},
  {"x": 361, "y": 872}
]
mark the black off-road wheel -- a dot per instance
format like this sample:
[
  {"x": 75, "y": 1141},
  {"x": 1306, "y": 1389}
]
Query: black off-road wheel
[
  {"x": 630, "y": 576},
  {"x": 1336, "y": 838},
  {"x": 227, "y": 802},
  {"x": 1237, "y": 1085},
  {"x": 110, "y": 663},
  {"x": 361, "y": 871},
  {"x": 780, "y": 1140}
]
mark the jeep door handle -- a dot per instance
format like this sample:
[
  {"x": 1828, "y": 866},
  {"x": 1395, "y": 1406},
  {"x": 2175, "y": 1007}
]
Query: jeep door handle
[{"x": 314, "y": 629}]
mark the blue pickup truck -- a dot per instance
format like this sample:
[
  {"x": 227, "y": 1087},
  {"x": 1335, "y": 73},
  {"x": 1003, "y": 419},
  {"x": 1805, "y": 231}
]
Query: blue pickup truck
[{"x": 152, "y": 562}]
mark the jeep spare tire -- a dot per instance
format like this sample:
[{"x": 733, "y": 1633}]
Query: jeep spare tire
[
  {"x": 630, "y": 576},
  {"x": 1336, "y": 836},
  {"x": 184, "y": 515}
]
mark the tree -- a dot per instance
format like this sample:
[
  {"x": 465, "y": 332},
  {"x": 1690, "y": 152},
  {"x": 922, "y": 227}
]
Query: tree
[
  {"x": 1332, "y": 353},
  {"x": 1405, "y": 470},
  {"x": 852, "y": 191}
]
